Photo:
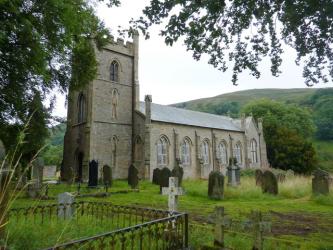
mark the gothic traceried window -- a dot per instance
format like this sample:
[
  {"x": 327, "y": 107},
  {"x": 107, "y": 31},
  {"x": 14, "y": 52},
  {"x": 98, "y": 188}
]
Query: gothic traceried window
[
  {"x": 115, "y": 100},
  {"x": 205, "y": 152},
  {"x": 222, "y": 153},
  {"x": 254, "y": 155},
  {"x": 162, "y": 151},
  {"x": 185, "y": 152},
  {"x": 238, "y": 153},
  {"x": 81, "y": 108},
  {"x": 114, "y": 72}
]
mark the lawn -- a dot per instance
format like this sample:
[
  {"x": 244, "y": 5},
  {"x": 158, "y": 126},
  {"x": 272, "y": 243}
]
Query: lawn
[{"x": 296, "y": 215}]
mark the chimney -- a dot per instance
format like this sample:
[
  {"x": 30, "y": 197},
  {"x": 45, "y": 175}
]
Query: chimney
[{"x": 148, "y": 100}]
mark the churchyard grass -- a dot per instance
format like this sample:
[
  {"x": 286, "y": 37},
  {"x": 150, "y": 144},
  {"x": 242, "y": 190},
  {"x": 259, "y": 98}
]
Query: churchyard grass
[{"x": 297, "y": 215}]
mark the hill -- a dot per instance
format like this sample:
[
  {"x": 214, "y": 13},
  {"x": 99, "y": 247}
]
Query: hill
[{"x": 236, "y": 100}]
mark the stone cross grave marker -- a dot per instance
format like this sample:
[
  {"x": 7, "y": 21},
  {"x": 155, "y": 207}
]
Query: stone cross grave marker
[
  {"x": 65, "y": 203},
  {"x": 221, "y": 222},
  {"x": 173, "y": 191}
]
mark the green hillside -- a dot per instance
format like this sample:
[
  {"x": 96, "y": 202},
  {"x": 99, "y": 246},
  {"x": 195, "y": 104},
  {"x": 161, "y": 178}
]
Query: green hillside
[{"x": 297, "y": 96}]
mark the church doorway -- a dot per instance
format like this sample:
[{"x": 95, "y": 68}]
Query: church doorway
[{"x": 79, "y": 166}]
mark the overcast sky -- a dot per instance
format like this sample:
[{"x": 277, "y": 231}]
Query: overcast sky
[{"x": 171, "y": 75}]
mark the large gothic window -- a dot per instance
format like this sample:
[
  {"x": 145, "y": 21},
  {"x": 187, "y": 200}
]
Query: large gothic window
[
  {"x": 205, "y": 152},
  {"x": 81, "y": 108},
  {"x": 254, "y": 155},
  {"x": 114, "y": 72},
  {"x": 238, "y": 152},
  {"x": 162, "y": 151},
  {"x": 222, "y": 153},
  {"x": 115, "y": 100},
  {"x": 185, "y": 152}
]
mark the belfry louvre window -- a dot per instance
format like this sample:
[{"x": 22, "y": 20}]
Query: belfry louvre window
[
  {"x": 114, "y": 71},
  {"x": 254, "y": 155},
  {"x": 162, "y": 151},
  {"x": 205, "y": 152},
  {"x": 185, "y": 153},
  {"x": 222, "y": 153}
]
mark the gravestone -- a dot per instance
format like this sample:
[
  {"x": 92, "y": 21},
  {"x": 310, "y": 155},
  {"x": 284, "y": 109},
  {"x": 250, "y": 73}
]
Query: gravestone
[
  {"x": 269, "y": 183},
  {"x": 320, "y": 182},
  {"x": 156, "y": 176},
  {"x": 173, "y": 191},
  {"x": 107, "y": 176},
  {"x": 93, "y": 174},
  {"x": 258, "y": 175},
  {"x": 281, "y": 177},
  {"x": 37, "y": 171},
  {"x": 66, "y": 210},
  {"x": 233, "y": 175},
  {"x": 50, "y": 172},
  {"x": 5, "y": 177},
  {"x": 179, "y": 173},
  {"x": 216, "y": 185},
  {"x": 133, "y": 179},
  {"x": 164, "y": 178}
]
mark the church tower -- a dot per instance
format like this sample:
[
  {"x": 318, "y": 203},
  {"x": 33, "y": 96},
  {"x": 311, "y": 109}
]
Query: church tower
[{"x": 100, "y": 115}]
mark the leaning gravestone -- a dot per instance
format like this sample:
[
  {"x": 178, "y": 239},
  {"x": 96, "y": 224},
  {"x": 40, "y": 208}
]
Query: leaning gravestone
[
  {"x": 66, "y": 209},
  {"x": 164, "y": 178},
  {"x": 179, "y": 173},
  {"x": 156, "y": 176},
  {"x": 258, "y": 175},
  {"x": 320, "y": 182},
  {"x": 216, "y": 185},
  {"x": 93, "y": 174},
  {"x": 107, "y": 176},
  {"x": 269, "y": 183},
  {"x": 133, "y": 179}
]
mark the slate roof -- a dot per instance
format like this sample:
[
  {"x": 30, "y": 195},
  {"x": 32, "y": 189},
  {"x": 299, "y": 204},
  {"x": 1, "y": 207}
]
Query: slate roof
[{"x": 170, "y": 114}]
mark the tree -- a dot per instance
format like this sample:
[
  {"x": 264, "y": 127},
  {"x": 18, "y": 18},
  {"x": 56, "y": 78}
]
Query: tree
[
  {"x": 245, "y": 31},
  {"x": 287, "y": 131},
  {"x": 44, "y": 45}
]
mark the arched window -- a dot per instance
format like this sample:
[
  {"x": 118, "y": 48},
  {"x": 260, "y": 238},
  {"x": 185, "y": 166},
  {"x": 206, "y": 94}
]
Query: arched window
[
  {"x": 185, "y": 152},
  {"x": 254, "y": 155},
  {"x": 205, "y": 152},
  {"x": 238, "y": 152},
  {"x": 114, "y": 100},
  {"x": 81, "y": 108},
  {"x": 162, "y": 151},
  {"x": 114, "y": 151},
  {"x": 222, "y": 153},
  {"x": 114, "y": 71}
]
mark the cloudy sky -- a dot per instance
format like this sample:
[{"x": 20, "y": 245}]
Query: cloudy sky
[{"x": 171, "y": 75}]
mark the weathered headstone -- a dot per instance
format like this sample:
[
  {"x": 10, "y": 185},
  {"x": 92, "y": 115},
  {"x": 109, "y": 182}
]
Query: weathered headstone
[
  {"x": 33, "y": 190},
  {"x": 133, "y": 179},
  {"x": 50, "y": 172},
  {"x": 5, "y": 177},
  {"x": 258, "y": 175},
  {"x": 321, "y": 182},
  {"x": 37, "y": 171},
  {"x": 173, "y": 191},
  {"x": 281, "y": 177},
  {"x": 66, "y": 210},
  {"x": 179, "y": 173},
  {"x": 216, "y": 185},
  {"x": 164, "y": 178},
  {"x": 93, "y": 174},
  {"x": 107, "y": 176},
  {"x": 233, "y": 175},
  {"x": 269, "y": 183},
  {"x": 156, "y": 176}
]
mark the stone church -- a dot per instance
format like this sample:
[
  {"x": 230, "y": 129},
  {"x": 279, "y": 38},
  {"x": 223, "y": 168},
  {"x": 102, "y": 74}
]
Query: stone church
[{"x": 107, "y": 123}]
